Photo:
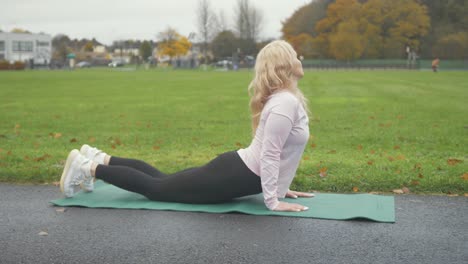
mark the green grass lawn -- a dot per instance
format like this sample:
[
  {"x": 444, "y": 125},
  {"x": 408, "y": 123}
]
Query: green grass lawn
[{"x": 370, "y": 131}]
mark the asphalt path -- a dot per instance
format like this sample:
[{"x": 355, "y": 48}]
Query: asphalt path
[{"x": 428, "y": 229}]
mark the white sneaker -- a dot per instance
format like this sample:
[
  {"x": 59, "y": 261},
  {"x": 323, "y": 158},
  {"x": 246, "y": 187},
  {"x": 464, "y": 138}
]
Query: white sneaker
[
  {"x": 77, "y": 171},
  {"x": 93, "y": 154}
]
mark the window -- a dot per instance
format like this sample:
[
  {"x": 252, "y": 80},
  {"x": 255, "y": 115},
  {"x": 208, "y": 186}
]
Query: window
[
  {"x": 19, "y": 46},
  {"x": 2, "y": 45},
  {"x": 42, "y": 43}
]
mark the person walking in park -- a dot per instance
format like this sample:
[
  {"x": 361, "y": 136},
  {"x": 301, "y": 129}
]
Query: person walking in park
[
  {"x": 280, "y": 134},
  {"x": 435, "y": 64}
]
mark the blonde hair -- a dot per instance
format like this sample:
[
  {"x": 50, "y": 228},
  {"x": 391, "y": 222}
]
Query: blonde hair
[{"x": 274, "y": 71}]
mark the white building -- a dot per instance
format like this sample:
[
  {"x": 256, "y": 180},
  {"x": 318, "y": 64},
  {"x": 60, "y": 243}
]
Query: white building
[{"x": 26, "y": 47}]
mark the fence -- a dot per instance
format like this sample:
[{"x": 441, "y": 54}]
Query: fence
[{"x": 384, "y": 64}]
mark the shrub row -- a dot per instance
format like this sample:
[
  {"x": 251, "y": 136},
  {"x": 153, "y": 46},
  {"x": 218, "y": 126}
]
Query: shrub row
[{"x": 17, "y": 65}]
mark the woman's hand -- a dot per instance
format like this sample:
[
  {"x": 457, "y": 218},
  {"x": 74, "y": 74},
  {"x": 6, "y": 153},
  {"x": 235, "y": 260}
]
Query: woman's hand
[
  {"x": 293, "y": 194},
  {"x": 290, "y": 207}
]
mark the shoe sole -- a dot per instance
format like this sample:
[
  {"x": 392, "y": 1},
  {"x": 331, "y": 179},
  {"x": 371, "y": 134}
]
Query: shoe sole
[{"x": 70, "y": 159}]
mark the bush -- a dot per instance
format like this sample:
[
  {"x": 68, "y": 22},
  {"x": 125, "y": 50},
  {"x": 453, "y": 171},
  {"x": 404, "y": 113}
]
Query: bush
[
  {"x": 4, "y": 65},
  {"x": 17, "y": 65}
]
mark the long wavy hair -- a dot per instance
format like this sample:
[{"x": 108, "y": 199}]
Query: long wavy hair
[{"x": 276, "y": 69}]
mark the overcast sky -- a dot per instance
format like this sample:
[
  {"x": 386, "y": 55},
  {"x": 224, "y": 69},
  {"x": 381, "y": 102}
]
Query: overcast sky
[{"x": 109, "y": 20}]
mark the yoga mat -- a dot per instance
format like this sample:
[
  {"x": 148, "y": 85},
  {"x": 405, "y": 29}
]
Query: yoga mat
[{"x": 323, "y": 205}]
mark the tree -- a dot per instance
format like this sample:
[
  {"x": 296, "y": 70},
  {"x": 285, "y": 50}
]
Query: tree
[
  {"x": 347, "y": 43},
  {"x": 88, "y": 47},
  {"x": 303, "y": 20},
  {"x": 205, "y": 23},
  {"x": 220, "y": 22},
  {"x": 20, "y": 30},
  {"x": 303, "y": 44},
  {"x": 224, "y": 44},
  {"x": 381, "y": 28},
  {"x": 145, "y": 50},
  {"x": 172, "y": 44},
  {"x": 453, "y": 46},
  {"x": 448, "y": 17},
  {"x": 248, "y": 20}
]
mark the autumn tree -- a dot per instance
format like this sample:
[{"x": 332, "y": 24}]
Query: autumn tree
[
  {"x": 20, "y": 30},
  {"x": 303, "y": 44},
  {"x": 380, "y": 28},
  {"x": 88, "y": 47},
  {"x": 303, "y": 20},
  {"x": 172, "y": 44}
]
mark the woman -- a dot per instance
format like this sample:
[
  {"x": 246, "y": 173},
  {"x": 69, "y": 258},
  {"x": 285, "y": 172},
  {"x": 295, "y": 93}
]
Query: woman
[{"x": 268, "y": 165}]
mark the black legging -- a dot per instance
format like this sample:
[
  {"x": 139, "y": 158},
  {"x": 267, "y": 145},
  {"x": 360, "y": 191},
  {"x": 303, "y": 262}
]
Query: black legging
[{"x": 222, "y": 179}]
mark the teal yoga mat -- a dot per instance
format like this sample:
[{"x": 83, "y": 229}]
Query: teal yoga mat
[{"x": 323, "y": 205}]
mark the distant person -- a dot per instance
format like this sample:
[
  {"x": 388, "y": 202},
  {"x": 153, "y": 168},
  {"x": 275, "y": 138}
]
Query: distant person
[
  {"x": 435, "y": 64},
  {"x": 268, "y": 165}
]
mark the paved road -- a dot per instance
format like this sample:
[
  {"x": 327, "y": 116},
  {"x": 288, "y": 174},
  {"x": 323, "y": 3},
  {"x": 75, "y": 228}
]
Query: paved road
[{"x": 429, "y": 229}]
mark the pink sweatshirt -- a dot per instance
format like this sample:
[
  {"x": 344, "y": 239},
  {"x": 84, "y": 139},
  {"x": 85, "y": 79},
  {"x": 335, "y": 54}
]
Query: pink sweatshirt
[{"x": 278, "y": 144}]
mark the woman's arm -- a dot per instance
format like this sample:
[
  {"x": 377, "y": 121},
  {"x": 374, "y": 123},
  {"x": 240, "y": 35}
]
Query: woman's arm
[{"x": 276, "y": 132}]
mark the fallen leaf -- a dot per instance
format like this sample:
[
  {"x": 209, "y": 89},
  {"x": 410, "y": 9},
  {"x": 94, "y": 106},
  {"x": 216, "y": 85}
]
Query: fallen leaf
[
  {"x": 453, "y": 162},
  {"x": 113, "y": 146},
  {"x": 60, "y": 210},
  {"x": 417, "y": 166},
  {"x": 306, "y": 158},
  {"x": 332, "y": 151},
  {"x": 398, "y": 191},
  {"x": 355, "y": 189},
  {"x": 26, "y": 157},
  {"x": 420, "y": 176},
  {"x": 399, "y": 117},
  {"x": 57, "y": 135},
  {"x": 396, "y": 147},
  {"x": 452, "y": 195},
  {"x": 238, "y": 144},
  {"x": 73, "y": 140},
  {"x": 91, "y": 139},
  {"x": 359, "y": 147},
  {"x": 405, "y": 190},
  {"x": 313, "y": 145},
  {"x": 466, "y": 195},
  {"x": 42, "y": 158},
  {"x": 464, "y": 176},
  {"x": 323, "y": 172},
  {"x": 371, "y": 117},
  {"x": 370, "y": 162},
  {"x": 17, "y": 127},
  {"x": 156, "y": 147},
  {"x": 56, "y": 183},
  {"x": 9, "y": 153},
  {"x": 43, "y": 233},
  {"x": 372, "y": 151},
  {"x": 414, "y": 182},
  {"x": 390, "y": 158},
  {"x": 400, "y": 157},
  {"x": 398, "y": 171}
]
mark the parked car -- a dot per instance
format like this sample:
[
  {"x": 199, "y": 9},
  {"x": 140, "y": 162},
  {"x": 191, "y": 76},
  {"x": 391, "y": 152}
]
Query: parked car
[
  {"x": 225, "y": 63},
  {"x": 116, "y": 64},
  {"x": 83, "y": 64}
]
